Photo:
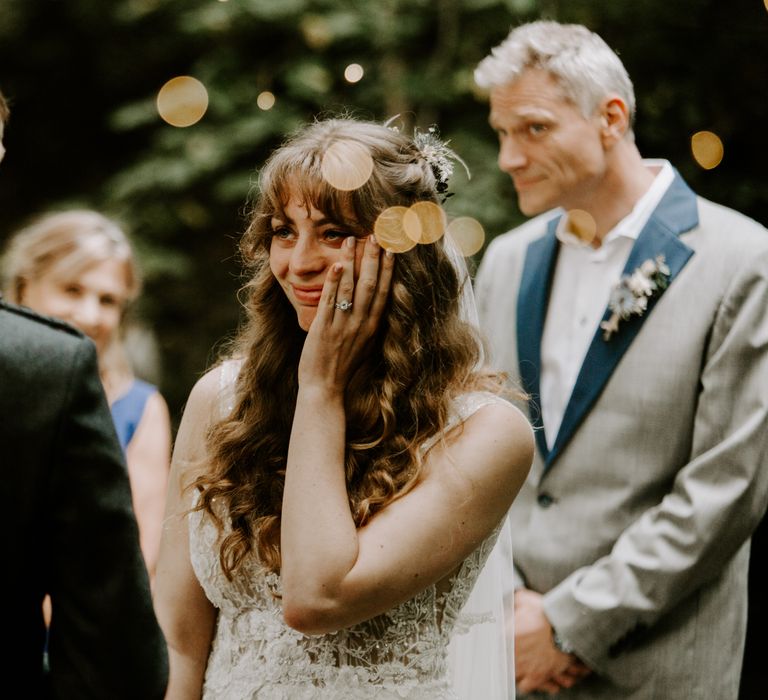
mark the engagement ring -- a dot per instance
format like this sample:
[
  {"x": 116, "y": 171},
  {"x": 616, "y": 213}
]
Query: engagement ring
[{"x": 343, "y": 305}]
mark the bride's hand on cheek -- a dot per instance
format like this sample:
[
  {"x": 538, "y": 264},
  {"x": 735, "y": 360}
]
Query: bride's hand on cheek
[{"x": 348, "y": 315}]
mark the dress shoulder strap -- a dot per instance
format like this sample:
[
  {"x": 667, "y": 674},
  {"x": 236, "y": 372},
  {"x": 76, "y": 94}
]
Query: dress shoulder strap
[
  {"x": 462, "y": 408},
  {"x": 228, "y": 374}
]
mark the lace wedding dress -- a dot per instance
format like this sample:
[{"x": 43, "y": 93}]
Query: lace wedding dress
[{"x": 402, "y": 654}]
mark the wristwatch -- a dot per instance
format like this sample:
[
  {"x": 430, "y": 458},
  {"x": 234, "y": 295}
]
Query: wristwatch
[{"x": 561, "y": 644}]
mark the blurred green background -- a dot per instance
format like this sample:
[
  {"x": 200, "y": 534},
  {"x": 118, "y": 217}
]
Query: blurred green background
[{"x": 83, "y": 75}]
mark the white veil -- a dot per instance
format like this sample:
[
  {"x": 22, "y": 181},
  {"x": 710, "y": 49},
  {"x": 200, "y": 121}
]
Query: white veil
[{"x": 480, "y": 654}]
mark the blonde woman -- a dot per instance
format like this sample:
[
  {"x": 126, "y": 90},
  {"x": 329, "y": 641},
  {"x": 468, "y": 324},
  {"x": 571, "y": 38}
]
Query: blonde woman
[
  {"x": 78, "y": 266},
  {"x": 338, "y": 485}
]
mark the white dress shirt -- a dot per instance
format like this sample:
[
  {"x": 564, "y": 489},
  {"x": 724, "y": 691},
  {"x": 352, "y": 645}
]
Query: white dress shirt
[{"x": 582, "y": 282}]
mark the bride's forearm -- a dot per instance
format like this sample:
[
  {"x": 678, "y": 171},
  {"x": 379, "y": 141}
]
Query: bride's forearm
[{"x": 319, "y": 544}]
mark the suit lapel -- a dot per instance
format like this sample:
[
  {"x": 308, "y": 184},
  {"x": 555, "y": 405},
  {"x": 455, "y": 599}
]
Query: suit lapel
[
  {"x": 676, "y": 213},
  {"x": 535, "y": 283}
]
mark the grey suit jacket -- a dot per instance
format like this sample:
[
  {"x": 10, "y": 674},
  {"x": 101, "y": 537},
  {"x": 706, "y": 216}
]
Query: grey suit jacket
[
  {"x": 67, "y": 525},
  {"x": 636, "y": 524}
]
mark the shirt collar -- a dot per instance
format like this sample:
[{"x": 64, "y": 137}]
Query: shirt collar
[{"x": 631, "y": 225}]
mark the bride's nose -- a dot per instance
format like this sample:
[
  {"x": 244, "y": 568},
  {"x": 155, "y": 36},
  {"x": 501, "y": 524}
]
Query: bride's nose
[{"x": 307, "y": 257}]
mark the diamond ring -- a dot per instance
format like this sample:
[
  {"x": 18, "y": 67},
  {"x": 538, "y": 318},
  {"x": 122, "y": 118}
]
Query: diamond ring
[{"x": 343, "y": 305}]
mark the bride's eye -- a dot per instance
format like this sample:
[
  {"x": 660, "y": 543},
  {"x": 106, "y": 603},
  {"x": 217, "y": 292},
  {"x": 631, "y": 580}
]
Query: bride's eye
[
  {"x": 282, "y": 233},
  {"x": 336, "y": 235}
]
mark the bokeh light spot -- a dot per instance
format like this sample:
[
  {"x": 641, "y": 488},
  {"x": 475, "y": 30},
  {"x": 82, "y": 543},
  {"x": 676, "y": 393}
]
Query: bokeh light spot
[
  {"x": 265, "y": 101},
  {"x": 346, "y": 165},
  {"x": 354, "y": 72},
  {"x": 582, "y": 224},
  {"x": 182, "y": 101},
  {"x": 390, "y": 232},
  {"x": 707, "y": 149},
  {"x": 424, "y": 222},
  {"x": 468, "y": 234},
  {"x": 317, "y": 31}
]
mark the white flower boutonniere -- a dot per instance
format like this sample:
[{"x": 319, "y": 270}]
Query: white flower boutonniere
[{"x": 630, "y": 296}]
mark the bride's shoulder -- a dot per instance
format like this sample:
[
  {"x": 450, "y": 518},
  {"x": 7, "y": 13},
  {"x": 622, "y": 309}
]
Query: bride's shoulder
[
  {"x": 213, "y": 393},
  {"x": 486, "y": 457},
  {"x": 485, "y": 412},
  {"x": 468, "y": 404},
  {"x": 209, "y": 401},
  {"x": 495, "y": 425}
]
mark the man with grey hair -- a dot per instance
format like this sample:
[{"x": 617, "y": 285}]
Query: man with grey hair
[{"x": 635, "y": 316}]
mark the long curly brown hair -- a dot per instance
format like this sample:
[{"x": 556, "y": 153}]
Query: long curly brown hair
[{"x": 423, "y": 355}]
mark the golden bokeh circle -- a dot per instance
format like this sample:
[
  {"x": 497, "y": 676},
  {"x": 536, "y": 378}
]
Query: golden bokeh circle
[
  {"x": 424, "y": 222},
  {"x": 182, "y": 101},
  {"x": 707, "y": 149},
  {"x": 354, "y": 72},
  {"x": 468, "y": 235},
  {"x": 346, "y": 165},
  {"x": 390, "y": 232},
  {"x": 582, "y": 224},
  {"x": 265, "y": 101}
]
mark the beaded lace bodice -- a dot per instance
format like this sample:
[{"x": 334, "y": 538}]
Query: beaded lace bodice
[{"x": 399, "y": 654}]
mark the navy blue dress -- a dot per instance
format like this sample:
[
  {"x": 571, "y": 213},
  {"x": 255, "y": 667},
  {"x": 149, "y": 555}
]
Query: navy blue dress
[{"x": 129, "y": 408}]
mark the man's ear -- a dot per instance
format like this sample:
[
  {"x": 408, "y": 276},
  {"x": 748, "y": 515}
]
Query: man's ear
[{"x": 614, "y": 119}]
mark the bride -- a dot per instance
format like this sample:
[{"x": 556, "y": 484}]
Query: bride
[{"x": 340, "y": 481}]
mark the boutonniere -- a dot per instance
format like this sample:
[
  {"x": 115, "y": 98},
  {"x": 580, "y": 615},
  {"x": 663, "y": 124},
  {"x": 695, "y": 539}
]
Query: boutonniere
[{"x": 630, "y": 296}]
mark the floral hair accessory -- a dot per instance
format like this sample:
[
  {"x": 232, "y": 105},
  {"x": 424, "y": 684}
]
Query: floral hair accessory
[
  {"x": 630, "y": 296},
  {"x": 439, "y": 158}
]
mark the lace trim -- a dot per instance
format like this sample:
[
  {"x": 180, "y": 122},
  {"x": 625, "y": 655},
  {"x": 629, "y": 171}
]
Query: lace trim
[{"x": 228, "y": 374}]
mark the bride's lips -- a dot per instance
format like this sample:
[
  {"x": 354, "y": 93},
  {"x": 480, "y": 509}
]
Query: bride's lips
[{"x": 307, "y": 295}]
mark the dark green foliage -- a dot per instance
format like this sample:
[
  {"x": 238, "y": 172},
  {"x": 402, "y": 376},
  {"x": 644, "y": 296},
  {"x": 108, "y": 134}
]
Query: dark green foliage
[{"x": 82, "y": 76}]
